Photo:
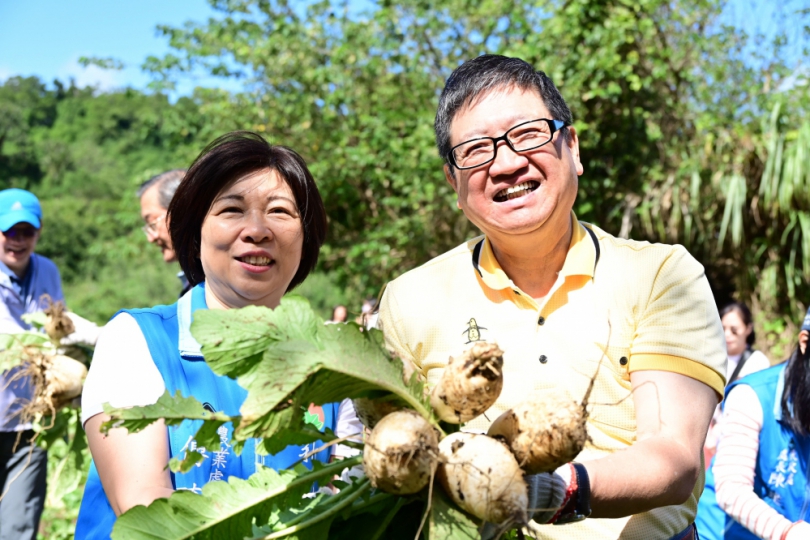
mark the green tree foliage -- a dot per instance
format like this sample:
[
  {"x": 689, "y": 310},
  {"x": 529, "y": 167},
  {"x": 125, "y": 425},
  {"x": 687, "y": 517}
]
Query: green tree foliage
[
  {"x": 668, "y": 103},
  {"x": 84, "y": 154}
]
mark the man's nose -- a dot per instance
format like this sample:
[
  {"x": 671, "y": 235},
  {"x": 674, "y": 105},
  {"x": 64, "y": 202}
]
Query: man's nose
[{"x": 506, "y": 160}]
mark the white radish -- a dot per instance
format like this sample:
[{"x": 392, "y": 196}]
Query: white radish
[
  {"x": 545, "y": 431},
  {"x": 470, "y": 384},
  {"x": 64, "y": 377},
  {"x": 401, "y": 452},
  {"x": 481, "y": 476}
]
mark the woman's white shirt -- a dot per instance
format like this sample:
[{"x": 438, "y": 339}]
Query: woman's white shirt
[
  {"x": 122, "y": 373},
  {"x": 756, "y": 362}
]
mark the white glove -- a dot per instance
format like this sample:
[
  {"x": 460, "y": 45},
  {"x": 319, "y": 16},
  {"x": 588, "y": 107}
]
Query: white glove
[
  {"x": 86, "y": 332},
  {"x": 799, "y": 531}
]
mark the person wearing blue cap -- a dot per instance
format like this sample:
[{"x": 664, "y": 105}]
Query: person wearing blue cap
[{"x": 24, "y": 278}]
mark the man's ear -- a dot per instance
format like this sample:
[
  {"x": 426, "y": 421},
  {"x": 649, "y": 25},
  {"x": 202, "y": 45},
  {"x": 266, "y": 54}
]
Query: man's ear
[
  {"x": 450, "y": 176},
  {"x": 572, "y": 141}
]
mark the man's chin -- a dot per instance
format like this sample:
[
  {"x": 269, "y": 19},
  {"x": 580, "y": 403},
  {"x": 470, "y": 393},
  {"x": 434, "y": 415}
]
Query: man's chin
[{"x": 16, "y": 261}]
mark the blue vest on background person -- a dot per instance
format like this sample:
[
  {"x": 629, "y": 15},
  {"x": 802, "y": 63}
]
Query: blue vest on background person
[
  {"x": 780, "y": 477},
  {"x": 177, "y": 356}
]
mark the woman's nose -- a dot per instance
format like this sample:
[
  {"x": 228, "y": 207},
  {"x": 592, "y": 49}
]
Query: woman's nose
[{"x": 256, "y": 229}]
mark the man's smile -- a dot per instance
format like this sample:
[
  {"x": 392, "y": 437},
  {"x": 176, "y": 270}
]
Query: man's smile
[{"x": 517, "y": 191}]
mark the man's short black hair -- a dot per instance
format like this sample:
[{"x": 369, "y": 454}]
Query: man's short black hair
[
  {"x": 224, "y": 161},
  {"x": 488, "y": 72}
]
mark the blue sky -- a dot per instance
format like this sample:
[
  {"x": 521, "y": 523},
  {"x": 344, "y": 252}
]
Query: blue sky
[{"x": 47, "y": 37}]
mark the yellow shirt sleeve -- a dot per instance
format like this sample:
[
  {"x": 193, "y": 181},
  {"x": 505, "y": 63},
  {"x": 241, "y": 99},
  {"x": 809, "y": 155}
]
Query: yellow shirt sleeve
[{"x": 679, "y": 329}]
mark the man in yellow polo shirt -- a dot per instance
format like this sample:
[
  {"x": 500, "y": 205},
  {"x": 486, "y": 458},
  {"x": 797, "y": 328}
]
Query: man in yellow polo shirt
[{"x": 563, "y": 298}]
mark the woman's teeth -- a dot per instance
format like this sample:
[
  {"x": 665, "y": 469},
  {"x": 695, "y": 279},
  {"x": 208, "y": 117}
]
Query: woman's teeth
[{"x": 256, "y": 261}]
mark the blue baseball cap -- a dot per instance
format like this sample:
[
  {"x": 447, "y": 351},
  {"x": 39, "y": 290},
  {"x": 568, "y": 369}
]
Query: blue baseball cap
[{"x": 19, "y": 206}]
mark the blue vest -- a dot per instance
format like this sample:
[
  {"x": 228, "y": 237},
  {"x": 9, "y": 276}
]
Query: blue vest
[
  {"x": 780, "y": 477},
  {"x": 177, "y": 356}
]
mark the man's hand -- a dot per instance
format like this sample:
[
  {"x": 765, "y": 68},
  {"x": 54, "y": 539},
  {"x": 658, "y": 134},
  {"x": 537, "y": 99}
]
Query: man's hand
[{"x": 549, "y": 493}]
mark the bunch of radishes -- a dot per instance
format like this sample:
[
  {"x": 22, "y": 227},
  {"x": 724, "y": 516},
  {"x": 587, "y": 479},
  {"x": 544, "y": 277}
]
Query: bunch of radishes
[{"x": 482, "y": 474}]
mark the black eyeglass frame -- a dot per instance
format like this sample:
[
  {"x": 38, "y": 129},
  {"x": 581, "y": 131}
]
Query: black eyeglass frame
[{"x": 554, "y": 127}]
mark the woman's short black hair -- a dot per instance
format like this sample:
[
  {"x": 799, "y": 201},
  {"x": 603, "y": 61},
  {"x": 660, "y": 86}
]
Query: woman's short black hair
[
  {"x": 745, "y": 314},
  {"x": 228, "y": 158}
]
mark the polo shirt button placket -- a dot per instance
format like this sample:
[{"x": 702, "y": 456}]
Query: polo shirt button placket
[{"x": 541, "y": 320}]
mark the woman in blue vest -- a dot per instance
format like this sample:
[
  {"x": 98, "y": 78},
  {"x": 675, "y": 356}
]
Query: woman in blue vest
[
  {"x": 761, "y": 466},
  {"x": 247, "y": 223}
]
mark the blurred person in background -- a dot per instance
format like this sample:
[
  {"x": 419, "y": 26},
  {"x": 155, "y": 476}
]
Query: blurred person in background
[
  {"x": 761, "y": 466},
  {"x": 26, "y": 281},
  {"x": 339, "y": 314},
  {"x": 155, "y": 195},
  {"x": 738, "y": 328},
  {"x": 804, "y": 332},
  {"x": 24, "y": 278},
  {"x": 368, "y": 313}
]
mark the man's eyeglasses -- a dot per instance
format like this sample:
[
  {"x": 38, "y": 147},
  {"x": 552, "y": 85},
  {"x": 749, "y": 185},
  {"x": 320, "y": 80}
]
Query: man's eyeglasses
[
  {"x": 19, "y": 233},
  {"x": 520, "y": 138},
  {"x": 151, "y": 228}
]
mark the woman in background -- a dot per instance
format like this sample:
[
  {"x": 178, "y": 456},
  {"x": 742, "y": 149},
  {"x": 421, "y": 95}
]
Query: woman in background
[
  {"x": 738, "y": 328},
  {"x": 761, "y": 467},
  {"x": 762, "y": 459}
]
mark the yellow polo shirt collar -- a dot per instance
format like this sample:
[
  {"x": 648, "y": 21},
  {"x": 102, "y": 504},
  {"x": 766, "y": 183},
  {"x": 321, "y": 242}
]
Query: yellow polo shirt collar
[{"x": 580, "y": 261}]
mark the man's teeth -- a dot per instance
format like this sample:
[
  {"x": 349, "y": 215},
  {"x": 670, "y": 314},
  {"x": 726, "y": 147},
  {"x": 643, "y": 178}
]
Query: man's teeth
[
  {"x": 257, "y": 261},
  {"x": 515, "y": 191}
]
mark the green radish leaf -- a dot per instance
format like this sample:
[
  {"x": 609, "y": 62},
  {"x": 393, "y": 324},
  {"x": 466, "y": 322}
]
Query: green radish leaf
[
  {"x": 68, "y": 472},
  {"x": 37, "y": 319},
  {"x": 184, "y": 465},
  {"x": 225, "y": 510},
  {"x": 288, "y": 426},
  {"x": 448, "y": 522},
  {"x": 173, "y": 410},
  {"x": 287, "y": 358}
]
